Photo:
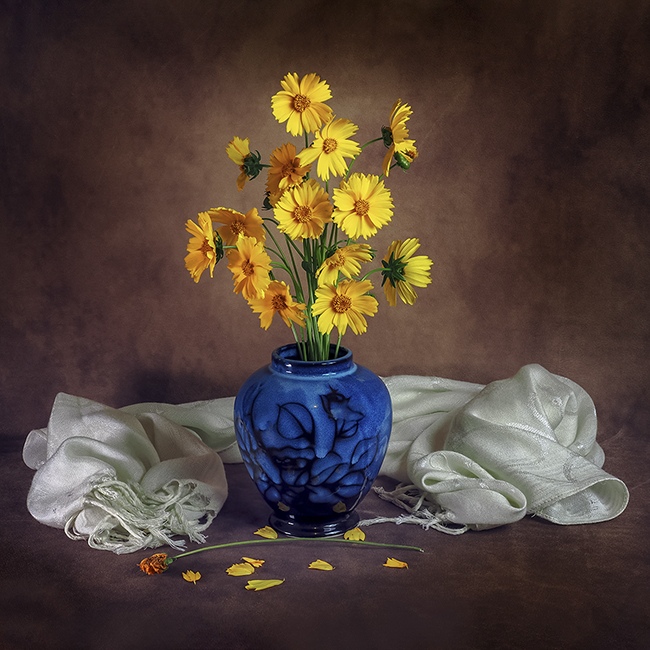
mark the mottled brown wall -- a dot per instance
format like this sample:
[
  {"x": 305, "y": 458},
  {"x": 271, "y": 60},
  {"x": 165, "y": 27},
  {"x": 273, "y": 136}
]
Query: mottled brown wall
[{"x": 531, "y": 191}]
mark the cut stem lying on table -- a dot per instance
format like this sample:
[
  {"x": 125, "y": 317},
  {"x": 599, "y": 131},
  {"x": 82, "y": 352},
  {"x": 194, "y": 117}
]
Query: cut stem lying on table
[{"x": 159, "y": 562}]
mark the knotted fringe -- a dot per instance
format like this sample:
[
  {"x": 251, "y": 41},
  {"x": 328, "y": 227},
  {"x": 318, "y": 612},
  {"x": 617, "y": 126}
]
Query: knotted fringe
[
  {"x": 136, "y": 520},
  {"x": 421, "y": 511}
]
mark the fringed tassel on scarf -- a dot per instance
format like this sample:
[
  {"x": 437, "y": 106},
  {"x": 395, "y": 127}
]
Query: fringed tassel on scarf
[
  {"x": 421, "y": 511},
  {"x": 136, "y": 520}
]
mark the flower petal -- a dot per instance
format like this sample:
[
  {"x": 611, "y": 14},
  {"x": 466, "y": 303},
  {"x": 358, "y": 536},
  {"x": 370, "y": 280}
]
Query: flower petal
[
  {"x": 191, "y": 576},
  {"x": 259, "y": 585},
  {"x": 356, "y": 534},
  {"x": 241, "y": 569},
  {"x": 395, "y": 564},
  {"x": 253, "y": 562},
  {"x": 267, "y": 532},
  {"x": 321, "y": 565}
]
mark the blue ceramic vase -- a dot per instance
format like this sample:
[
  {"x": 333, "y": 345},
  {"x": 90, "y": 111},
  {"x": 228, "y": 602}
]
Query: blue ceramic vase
[{"x": 313, "y": 435}]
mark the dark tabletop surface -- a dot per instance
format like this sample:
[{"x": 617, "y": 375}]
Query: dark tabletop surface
[{"x": 528, "y": 585}]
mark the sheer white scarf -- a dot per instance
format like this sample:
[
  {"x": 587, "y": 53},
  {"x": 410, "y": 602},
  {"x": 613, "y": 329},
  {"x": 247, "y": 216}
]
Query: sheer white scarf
[{"x": 467, "y": 456}]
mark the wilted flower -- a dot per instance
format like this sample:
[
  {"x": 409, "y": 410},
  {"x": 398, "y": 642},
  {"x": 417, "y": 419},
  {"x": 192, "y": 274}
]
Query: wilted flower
[{"x": 157, "y": 563}]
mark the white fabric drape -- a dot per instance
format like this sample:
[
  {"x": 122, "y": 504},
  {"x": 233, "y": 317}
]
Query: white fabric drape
[{"x": 476, "y": 456}]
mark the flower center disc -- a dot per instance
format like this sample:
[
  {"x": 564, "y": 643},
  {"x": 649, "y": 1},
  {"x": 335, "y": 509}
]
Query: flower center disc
[
  {"x": 288, "y": 169},
  {"x": 302, "y": 213},
  {"x": 206, "y": 249},
  {"x": 337, "y": 260},
  {"x": 329, "y": 145},
  {"x": 236, "y": 227},
  {"x": 340, "y": 304},
  {"x": 301, "y": 103},
  {"x": 248, "y": 268},
  {"x": 278, "y": 303},
  {"x": 361, "y": 207}
]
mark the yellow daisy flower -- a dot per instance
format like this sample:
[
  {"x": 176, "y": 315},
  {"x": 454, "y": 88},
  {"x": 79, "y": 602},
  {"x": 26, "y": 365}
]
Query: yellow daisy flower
[
  {"x": 300, "y": 103},
  {"x": 362, "y": 205},
  {"x": 250, "y": 266},
  {"x": 331, "y": 147},
  {"x": 236, "y": 224},
  {"x": 303, "y": 211},
  {"x": 396, "y": 138},
  {"x": 278, "y": 300},
  {"x": 286, "y": 170},
  {"x": 346, "y": 260},
  {"x": 202, "y": 250},
  {"x": 343, "y": 305},
  {"x": 239, "y": 152},
  {"x": 402, "y": 271}
]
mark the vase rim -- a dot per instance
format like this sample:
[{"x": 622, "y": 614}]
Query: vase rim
[{"x": 286, "y": 359}]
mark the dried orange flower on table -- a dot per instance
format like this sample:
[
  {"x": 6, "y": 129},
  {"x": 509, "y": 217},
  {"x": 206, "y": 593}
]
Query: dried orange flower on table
[{"x": 157, "y": 563}]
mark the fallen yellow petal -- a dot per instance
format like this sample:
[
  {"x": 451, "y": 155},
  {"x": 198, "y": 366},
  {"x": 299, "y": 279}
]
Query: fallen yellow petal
[
  {"x": 258, "y": 585},
  {"x": 253, "y": 562},
  {"x": 191, "y": 576},
  {"x": 395, "y": 564},
  {"x": 266, "y": 532},
  {"x": 241, "y": 569},
  {"x": 321, "y": 565},
  {"x": 355, "y": 534}
]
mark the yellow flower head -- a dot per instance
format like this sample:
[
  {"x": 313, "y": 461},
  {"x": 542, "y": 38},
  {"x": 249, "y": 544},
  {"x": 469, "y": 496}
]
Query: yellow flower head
[
  {"x": 202, "y": 251},
  {"x": 300, "y": 103},
  {"x": 346, "y": 260},
  {"x": 239, "y": 152},
  {"x": 396, "y": 138},
  {"x": 250, "y": 266},
  {"x": 402, "y": 271},
  {"x": 286, "y": 170},
  {"x": 362, "y": 205},
  {"x": 236, "y": 224},
  {"x": 343, "y": 305},
  {"x": 278, "y": 300},
  {"x": 303, "y": 211},
  {"x": 331, "y": 147}
]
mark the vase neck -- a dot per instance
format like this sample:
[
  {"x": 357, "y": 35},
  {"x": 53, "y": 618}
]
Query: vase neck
[{"x": 286, "y": 360}]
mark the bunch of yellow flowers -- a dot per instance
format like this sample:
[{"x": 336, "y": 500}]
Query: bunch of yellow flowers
[{"x": 315, "y": 241}]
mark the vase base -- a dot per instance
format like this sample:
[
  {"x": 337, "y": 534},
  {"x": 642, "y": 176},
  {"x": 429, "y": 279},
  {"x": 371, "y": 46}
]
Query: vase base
[{"x": 314, "y": 527}]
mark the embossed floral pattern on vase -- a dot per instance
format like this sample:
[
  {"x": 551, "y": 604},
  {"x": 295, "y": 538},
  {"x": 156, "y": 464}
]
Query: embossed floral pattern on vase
[{"x": 313, "y": 445}]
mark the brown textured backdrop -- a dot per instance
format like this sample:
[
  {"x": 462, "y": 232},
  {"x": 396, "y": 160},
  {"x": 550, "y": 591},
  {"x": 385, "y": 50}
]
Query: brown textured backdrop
[{"x": 530, "y": 194}]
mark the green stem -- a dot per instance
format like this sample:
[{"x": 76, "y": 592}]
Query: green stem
[
  {"x": 338, "y": 345},
  {"x": 363, "y": 146},
  {"x": 377, "y": 270},
  {"x": 295, "y": 539}
]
